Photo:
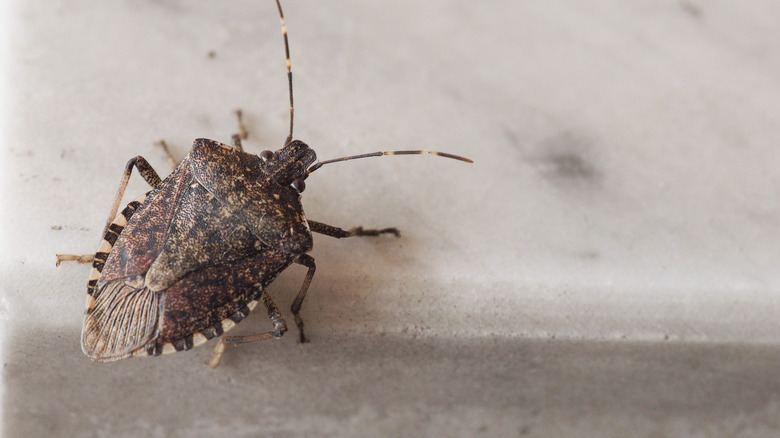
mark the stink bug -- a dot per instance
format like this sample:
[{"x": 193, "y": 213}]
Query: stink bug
[{"x": 188, "y": 260}]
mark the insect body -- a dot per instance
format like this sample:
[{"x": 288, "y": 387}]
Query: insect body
[
  {"x": 197, "y": 252},
  {"x": 190, "y": 259}
]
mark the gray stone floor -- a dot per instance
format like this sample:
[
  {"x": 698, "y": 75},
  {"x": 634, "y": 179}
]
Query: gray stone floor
[{"x": 395, "y": 386}]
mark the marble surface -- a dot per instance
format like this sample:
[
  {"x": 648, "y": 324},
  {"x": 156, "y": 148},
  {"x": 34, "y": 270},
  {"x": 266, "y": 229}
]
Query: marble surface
[{"x": 619, "y": 225}]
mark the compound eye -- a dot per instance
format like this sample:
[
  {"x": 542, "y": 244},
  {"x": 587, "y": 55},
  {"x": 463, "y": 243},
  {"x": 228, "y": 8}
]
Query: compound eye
[
  {"x": 267, "y": 156},
  {"x": 298, "y": 185}
]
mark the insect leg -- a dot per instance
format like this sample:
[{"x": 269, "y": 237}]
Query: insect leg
[
  {"x": 168, "y": 154},
  {"x": 308, "y": 261},
  {"x": 242, "y": 132},
  {"x": 151, "y": 177},
  {"x": 83, "y": 258},
  {"x": 280, "y": 327},
  {"x": 339, "y": 233},
  {"x": 146, "y": 171}
]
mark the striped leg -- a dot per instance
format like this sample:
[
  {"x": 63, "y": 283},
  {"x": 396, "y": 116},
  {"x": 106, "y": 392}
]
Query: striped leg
[
  {"x": 148, "y": 174},
  {"x": 280, "y": 327}
]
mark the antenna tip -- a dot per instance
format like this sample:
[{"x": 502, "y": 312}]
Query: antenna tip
[{"x": 427, "y": 152}]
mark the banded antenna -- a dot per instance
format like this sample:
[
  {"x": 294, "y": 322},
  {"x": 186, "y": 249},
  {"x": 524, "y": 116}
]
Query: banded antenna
[
  {"x": 351, "y": 157},
  {"x": 319, "y": 164},
  {"x": 289, "y": 71}
]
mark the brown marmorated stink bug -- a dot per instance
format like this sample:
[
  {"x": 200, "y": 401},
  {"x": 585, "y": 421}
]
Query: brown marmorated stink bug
[{"x": 190, "y": 259}]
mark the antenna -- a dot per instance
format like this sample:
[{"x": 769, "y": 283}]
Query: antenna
[
  {"x": 289, "y": 71},
  {"x": 352, "y": 157},
  {"x": 379, "y": 154}
]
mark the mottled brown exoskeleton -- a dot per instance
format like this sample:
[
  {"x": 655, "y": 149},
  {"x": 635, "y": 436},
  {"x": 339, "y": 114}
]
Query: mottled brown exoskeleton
[{"x": 188, "y": 260}]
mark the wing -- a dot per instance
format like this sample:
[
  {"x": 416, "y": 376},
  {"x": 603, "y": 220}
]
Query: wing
[{"x": 121, "y": 318}]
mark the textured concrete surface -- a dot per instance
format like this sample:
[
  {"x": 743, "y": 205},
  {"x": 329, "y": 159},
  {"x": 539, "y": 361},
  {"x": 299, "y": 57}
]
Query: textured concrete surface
[{"x": 608, "y": 266}]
